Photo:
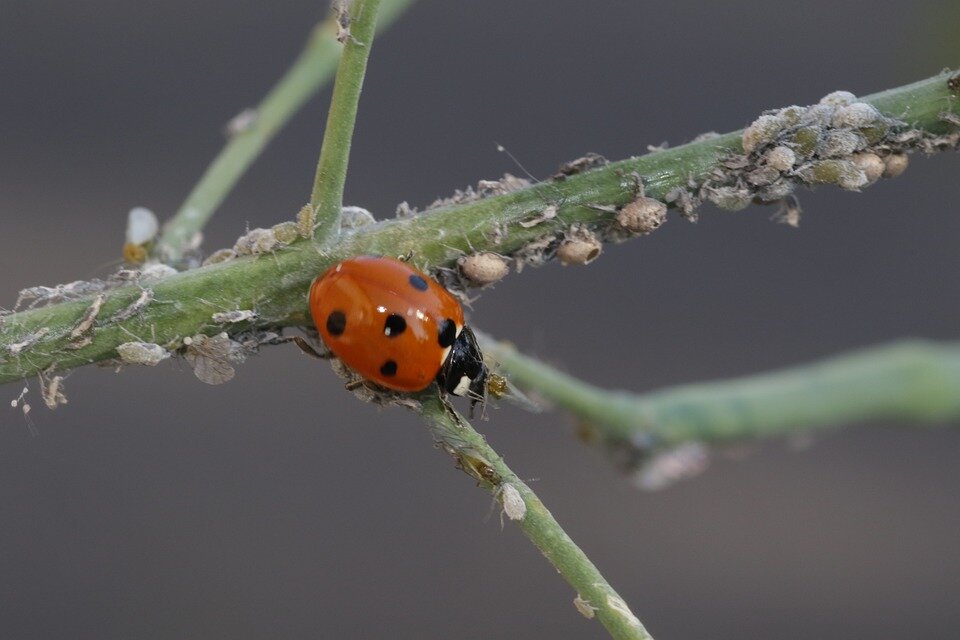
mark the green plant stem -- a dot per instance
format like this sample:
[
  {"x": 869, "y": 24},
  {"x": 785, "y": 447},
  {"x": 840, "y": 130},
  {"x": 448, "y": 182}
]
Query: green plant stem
[
  {"x": 327, "y": 195},
  {"x": 457, "y": 436},
  {"x": 311, "y": 70},
  {"x": 912, "y": 381},
  {"x": 275, "y": 285}
]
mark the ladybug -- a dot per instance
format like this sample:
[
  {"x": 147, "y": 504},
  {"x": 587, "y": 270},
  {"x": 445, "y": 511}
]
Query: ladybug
[{"x": 397, "y": 327}]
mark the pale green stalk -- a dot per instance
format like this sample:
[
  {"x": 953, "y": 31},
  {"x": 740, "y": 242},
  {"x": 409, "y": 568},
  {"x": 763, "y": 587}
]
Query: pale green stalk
[{"x": 327, "y": 196}]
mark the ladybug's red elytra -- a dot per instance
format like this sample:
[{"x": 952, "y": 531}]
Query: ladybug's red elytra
[{"x": 397, "y": 327}]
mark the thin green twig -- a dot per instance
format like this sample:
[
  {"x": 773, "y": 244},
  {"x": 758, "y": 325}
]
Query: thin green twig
[
  {"x": 909, "y": 381},
  {"x": 327, "y": 195},
  {"x": 311, "y": 70},
  {"x": 595, "y": 596},
  {"x": 275, "y": 285}
]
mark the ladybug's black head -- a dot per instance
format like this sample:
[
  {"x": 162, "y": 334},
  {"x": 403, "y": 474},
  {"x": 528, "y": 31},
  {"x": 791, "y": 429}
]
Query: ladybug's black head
[{"x": 463, "y": 372}]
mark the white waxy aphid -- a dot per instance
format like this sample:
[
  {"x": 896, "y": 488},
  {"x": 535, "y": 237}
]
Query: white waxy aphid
[
  {"x": 243, "y": 121},
  {"x": 145, "y": 353},
  {"x": 856, "y": 115},
  {"x": 355, "y": 217},
  {"x": 685, "y": 461},
  {"x": 221, "y": 255},
  {"x": 513, "y": 504},
  {"x": 142, "y": 226},
  {"x": 781, "y": 158},
  {"x": 586, "y": 609},
  {"x": 761, "y": 131},
  {"x": 256, "y": 242},
  {"x": 838, "y": 99},
  {"x": 839, "y": 144},
  {"x": 157, "y": 271}
]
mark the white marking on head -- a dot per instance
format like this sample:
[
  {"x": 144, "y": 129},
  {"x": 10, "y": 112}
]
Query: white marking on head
[{"x": 462, "y": 386}]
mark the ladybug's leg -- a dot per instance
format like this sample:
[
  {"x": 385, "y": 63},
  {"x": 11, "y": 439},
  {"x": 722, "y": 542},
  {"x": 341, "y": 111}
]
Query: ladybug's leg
[
  {"x": 307, "y": 348},
  {"x": 444, "y": 400},
  {"x": 354, "y": 384}
]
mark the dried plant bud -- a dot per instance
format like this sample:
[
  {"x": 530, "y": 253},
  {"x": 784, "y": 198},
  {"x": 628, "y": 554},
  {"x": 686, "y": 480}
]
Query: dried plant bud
[
  {"x": 484, "y": 268},
  {"x": 643, "y": 215},
  {"x": 895, "y": 164}
]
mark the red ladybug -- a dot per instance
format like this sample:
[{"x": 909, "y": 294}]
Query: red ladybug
[{"x": 397, "y": 327}]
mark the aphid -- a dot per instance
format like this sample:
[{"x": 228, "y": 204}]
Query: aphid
[
  {"x": 240, "y": 123},
  {"x": 397, "y": 327},
  {"x": 145, "y": 353},
  {"x": 471, "y": 462},
  {"x": 586, "y": 609},
  {"x": 513, "y": 504}
]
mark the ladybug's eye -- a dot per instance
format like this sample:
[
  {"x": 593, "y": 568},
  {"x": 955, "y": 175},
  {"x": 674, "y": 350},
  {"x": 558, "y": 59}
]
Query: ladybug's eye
[
  {"x": 448, "y": 333},
  {"x": 394, "y": 326}
]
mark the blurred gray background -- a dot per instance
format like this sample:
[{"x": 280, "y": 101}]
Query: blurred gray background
[{"x": 154, "y": 506}]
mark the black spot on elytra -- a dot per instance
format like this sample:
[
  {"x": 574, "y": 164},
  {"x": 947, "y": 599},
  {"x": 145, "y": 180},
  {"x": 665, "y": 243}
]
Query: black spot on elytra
[
  {"x": 447, "y": 333},
  {"x": 336, "y": 323},
  {"x": 418, "y": 283},
  {"x": 389, "y": 368},
  {"x": 394, "y": 326}
]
